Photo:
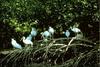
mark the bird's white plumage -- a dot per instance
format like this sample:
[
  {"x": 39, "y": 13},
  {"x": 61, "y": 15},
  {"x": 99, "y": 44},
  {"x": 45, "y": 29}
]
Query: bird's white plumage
[
  {"x": 29, "y": 37},
  {"x": 15, "y": 44},
  {"x": 67, "y": 33},
  {"x": 46, "y": 34},
  {"x": 51, "y": 30},
  {"x": 34, "y": 32},
  {"x": 26, "y": 41},
  {"x": 76, "y": 30}
]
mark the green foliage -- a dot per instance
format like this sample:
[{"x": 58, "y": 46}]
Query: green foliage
[{"x": 56, "y": 13}]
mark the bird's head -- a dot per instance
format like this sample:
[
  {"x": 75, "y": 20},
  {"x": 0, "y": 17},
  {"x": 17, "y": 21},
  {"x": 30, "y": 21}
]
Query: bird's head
[
  {"x": 63, "y": 32},
  {"x": 23, "y": 38},
  {"x": 12, "y": 39},
  {"x": 67, "y": 30},
  {"x": 33, "y": 28},
  {"x": 50, "y": 27},
  {"x": 41, "y": 33}
]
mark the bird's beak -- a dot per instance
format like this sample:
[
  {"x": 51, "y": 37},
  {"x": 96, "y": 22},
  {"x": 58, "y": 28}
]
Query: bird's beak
[{"x": 62, "y": 32}]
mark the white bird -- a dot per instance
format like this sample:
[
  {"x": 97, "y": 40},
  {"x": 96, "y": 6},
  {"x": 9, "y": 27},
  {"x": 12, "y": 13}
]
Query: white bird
[
  {"x": 26, "y": 41},
  {"x": 46, "y": 34},
  {"x": 76, "y": 30},
  {"x": 51, "y": 30},
  {"x": 29, "y": 37},
  {"x": 15, "y": 44},
  {"x": 67, "y": 33},
  {"x": 34, "y": 32}
]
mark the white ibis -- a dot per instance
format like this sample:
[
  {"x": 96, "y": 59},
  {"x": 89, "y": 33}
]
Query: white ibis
[
  {"x": 67, "y": 33},
  {"x": 51, "y": 30},
  {"x": 76, "y": 30},
  {"x": 15, "y": 44},
  {"x": 34, "y": 32},
  {"x": 27, "y": 42},
  {"x": 46, "y": 34}
]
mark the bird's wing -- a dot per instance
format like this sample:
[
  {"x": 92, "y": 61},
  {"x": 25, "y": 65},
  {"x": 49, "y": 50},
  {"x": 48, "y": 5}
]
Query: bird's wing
[
  {"x": 29, "y": 37},
  {"x": 18, "y": 45}
]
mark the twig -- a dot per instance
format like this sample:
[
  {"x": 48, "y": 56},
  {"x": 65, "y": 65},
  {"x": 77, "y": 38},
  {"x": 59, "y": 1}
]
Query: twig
[
  {"x": 67, "y": 45},
  {"x": 85, "y": 40},
  {"x": 70, "y": 42},
  {"x": 47, "y": 49},
  {"x": 73, "y": 45}
]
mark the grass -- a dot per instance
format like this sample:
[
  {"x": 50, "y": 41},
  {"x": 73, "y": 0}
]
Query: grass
[{"x": 61, "y": 52}]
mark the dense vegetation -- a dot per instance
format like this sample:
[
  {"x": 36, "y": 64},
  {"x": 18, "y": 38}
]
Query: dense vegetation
[{"x": 18, "y": 16}]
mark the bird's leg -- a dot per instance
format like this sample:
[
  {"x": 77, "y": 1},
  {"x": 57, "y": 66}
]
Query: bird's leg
[
  {"x": 26, "y": 45},
  {"x": 52, "y": 36},
  {"x": 42, "y": 37},
  {"x": 75, "y": 34},
  {"x": 34, "y": 38},
  {"x": 31, "y": 45}
]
